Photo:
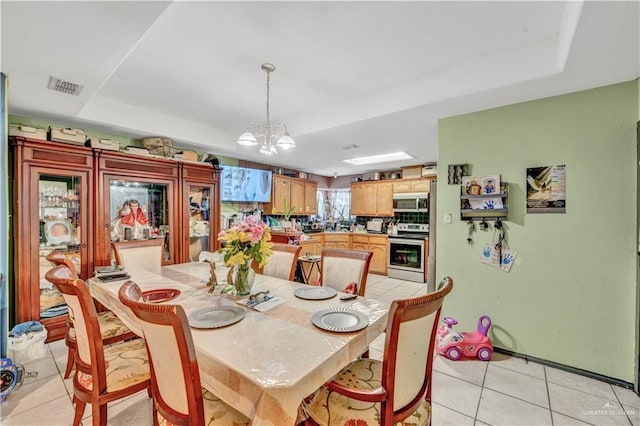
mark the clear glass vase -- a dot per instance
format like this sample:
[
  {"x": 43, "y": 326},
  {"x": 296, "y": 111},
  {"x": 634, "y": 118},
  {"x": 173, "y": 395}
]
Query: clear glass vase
[{"x": 243, "y": 278}]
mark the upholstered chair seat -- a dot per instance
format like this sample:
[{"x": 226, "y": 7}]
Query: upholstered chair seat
[
  {"x": 126, "y": 364},
  {"x": 216, "y": 412},
  {"x": 332, "y": 408}
]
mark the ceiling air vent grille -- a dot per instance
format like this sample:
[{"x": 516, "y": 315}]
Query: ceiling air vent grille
[
  {"x": 350, "y": 146},
  {"x": 64, "y": 86}
]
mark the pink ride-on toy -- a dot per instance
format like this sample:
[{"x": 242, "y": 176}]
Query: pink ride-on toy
[{"x": 454, "y": 345}]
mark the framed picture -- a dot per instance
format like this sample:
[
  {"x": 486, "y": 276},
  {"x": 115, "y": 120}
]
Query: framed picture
[{"x": 58, "y": 232}]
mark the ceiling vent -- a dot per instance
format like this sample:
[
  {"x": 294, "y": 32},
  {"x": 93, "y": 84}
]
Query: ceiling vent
[
  {"x": 64, "y": 86},
  {"x": 350, "y": 146}
]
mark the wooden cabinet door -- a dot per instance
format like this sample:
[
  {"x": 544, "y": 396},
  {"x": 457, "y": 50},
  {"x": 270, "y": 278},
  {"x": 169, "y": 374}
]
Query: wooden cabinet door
[
  {"x": 379, "y": 260},
  {"x": 402, "y": 186},
  {"x": 370, "y": 199},
  {"x": 357, "y": 200},
  {"x": 384, "y": 201},
  {"x": 421, "y": 185},
  {"x": 310, "y": 197},
  {"x": 281, "y": 192},
  {"x": 360, "y": 242},
  {"x": 297, "y": 196}
]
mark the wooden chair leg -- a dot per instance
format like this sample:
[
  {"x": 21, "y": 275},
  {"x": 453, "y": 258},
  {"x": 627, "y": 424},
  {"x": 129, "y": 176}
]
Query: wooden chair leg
[
  {"x": 77, "y": 417},
  {"x": 99, "y": 414},
  {"x": 71, "y": 358}
]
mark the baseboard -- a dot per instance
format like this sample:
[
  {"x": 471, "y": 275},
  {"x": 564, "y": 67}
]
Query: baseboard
[{"x": 570, "y": 369}]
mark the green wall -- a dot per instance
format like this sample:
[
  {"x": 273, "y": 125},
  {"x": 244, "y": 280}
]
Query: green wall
[{"x": 570, "y": 297}]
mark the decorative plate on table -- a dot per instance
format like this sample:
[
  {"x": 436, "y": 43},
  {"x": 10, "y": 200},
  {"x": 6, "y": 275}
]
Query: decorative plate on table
[
  {"x": 315, "y": 293},
  {"x": 160, "y": 295},
  {"x": 217, "y": 317},
  {"x": 340, "y": 320}
]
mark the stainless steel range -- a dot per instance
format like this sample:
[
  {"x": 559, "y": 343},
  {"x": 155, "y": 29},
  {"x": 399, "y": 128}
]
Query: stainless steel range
[{"x": 406, "y": 252}]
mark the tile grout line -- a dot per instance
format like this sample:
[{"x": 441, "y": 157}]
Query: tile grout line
[
  {"x": 484, "y": 379},
  {"x": 546, "y": 385}
]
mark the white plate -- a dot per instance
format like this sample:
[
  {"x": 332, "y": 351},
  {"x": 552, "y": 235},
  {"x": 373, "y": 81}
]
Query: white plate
[
  {"x": 340, "y": 320},
  {"x": 220, "y": 316},
  {"x": 315, "y": 293}
]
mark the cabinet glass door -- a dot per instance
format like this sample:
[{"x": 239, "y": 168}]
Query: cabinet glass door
[
  {"x": 199, "y": 219},
  {"x": 139, "y": 210},
  {"x": 60, "y": 230}
]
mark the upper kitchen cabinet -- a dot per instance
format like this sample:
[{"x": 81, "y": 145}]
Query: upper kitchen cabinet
[
  {"x": 412, "y": 185},
  {"x": 372, "y": 199},
  {"x": 294, "y": 192},
  {"x": 52, "y": 211},
  {"x": 310, "y": 197}
]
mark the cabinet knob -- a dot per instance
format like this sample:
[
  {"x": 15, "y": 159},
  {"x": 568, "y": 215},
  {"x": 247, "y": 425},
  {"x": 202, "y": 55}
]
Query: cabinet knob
[{"x": 106, "y": 225}]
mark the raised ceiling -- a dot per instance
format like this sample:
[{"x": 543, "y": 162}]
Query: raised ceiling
[{"x": 375, "y": 74}]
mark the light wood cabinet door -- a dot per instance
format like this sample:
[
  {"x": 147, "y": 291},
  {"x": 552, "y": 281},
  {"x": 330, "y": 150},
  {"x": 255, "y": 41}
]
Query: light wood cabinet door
[
  {"x": 297, "y": 196},
  {"x": 310, "y": 197},
  {"x": 281, "y": 192},
  {"x": 360, "y": 246},
  {"x": 402, "y": 186},
  {"x": 379, "y": 260},
  {"x": 370, "y": 199},
  {"x": 337, "y": 241},
  {"x": 384, "y": 200},
  {"x": 412, "y": 185},
  {"x": 357, "y": 200},
  {"x": 421, "y": 185}
]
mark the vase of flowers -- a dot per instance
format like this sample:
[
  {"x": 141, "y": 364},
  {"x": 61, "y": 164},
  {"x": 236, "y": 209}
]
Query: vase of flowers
[{"x": 242, "y": 244}]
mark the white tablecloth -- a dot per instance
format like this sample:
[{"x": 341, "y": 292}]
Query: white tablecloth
[{"x": 267, "y": 363}]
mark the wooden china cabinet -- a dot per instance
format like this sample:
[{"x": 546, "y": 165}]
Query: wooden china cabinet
[
  {"x": 152, "y": 183},
  {"x": 201, "y": 219},
  {"x": 77, "y": 200},
  {"x": 52, "y": 210}
]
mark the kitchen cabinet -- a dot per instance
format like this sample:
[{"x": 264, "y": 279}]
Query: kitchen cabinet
[
  {"x": 357, "y": 200},
  {"x": 298, "y": 193},
  {"x": 310, "y": 197},
  {"x": 412, "y": 185},
  {"x": 297, "y": 196},
  {"x": 375, "y": 244},
  {"x": 337, "y": 240},
  {"x": 52, "y": 210},
  {"x": 372, "y": 199}
]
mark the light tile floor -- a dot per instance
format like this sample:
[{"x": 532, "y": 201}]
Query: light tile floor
[{"x": 505, "y": 391}]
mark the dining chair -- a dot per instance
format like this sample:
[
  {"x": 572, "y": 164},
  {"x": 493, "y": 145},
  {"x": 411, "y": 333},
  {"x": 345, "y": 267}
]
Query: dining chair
[
  {"x": 178, "y": 396},
  {"x": 343, "y": 266},
  {"x": 103, "y": 373},
  {"x": 283, "y": 261},
  {"x": 139, "y": 254},
  {"x": 396, "y": 389},
  {"x": 112, "y": 329}
]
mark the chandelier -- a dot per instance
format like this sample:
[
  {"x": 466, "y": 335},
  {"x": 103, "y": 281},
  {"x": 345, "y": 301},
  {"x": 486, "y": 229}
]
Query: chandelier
[{"x": 266, "y": 135}]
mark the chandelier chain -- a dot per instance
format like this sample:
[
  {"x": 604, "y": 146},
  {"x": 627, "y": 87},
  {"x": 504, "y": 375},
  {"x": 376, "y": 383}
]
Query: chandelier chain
[{"x": 268, "y": 124}]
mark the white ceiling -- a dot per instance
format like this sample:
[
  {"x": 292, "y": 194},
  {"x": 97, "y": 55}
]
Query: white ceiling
[{"x": 375, "y": 74}]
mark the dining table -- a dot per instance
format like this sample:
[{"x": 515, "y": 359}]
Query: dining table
[{"x": 267, "y": 362}]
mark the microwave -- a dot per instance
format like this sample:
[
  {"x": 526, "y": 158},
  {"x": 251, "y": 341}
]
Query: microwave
[{"x": 411, "y": 202}]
